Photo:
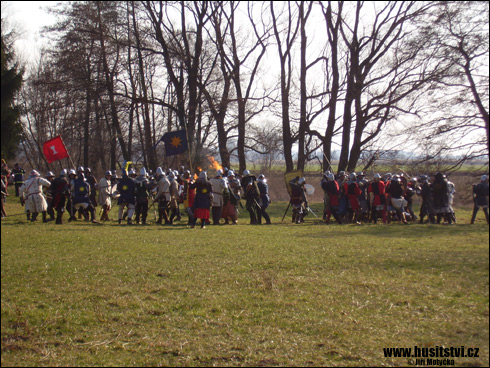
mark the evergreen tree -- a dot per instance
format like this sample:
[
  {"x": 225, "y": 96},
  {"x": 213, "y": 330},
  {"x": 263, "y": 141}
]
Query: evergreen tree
[{"x": 12, "y": 77}]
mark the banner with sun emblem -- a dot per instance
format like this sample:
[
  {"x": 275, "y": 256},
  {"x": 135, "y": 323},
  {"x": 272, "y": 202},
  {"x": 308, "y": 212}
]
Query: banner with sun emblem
[{"x": 175, "y": 142}]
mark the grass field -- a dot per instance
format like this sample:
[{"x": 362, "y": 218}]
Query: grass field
[{"x": 82, "y": 294}]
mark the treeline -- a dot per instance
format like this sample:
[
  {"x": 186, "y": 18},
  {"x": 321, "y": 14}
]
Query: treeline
[{"x": 275, "y": 78}]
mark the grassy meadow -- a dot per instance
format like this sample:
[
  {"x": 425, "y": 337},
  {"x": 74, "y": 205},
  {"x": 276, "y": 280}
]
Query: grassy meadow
[{"x": 83, "y": 294}]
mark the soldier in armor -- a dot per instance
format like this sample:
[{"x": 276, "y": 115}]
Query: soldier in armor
[
  {"x": 105, "y": 195},
  {"x": 188, "y": 197},
  {"x": 31, "y": 192},
  {"x": 441, "y": 199},
  {"x": 61, "y": 191},
  {"x": 81, "y": 197},
  {"x": 377, "y": 198},
  {"x": 174, "y": 197},
  {"x": 220, "y": 192},
  {"x": 230, "y": 208},
  {"x": 451, "y": 192},
  {"x": 92, "y": 181},
  {"x": 251, "y": 194},
  {"x": 264, "y": 200},
  {"x": 49, "y": 195},
  {"x": 18, "y": 173},
  {"x": 299, "y": 201},
  {"x": 351, "y": 188},
  {"x": 332, "y": 191},
  {"x": 126, "y": 188},
  {"x": 203, "y": 199},
  {"x": 427, "y": 207},
  {"x": 363, "y": 197},
  {"x": 142, "y": 195},
  {"x": 162, "y": 196},
  {"x": 395, "y": 196},
  {"x": 480, "y": 198}
]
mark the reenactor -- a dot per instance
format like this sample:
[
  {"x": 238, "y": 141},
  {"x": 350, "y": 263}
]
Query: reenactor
[
  {"x": 188, "y": 197},
  {"x": 173, "y": 190},
  {"x": 162, "y": 196},
  {"x": 126, "y": 188},
  {"x": 60, "y": 187},
  {"x": 451, "y": 192},
  {"x": 332, "y": 191},
  {"x": 351, "y": 188},
  {"x": 49, "y": 195},
  {"x": 363, "y": 184},
  {"x": 299, "y": 201},
  {"x": 72, "y": 175},
  {"x": 142, "y": 195},
  {"x": 395, "y": 197},
  {"x": 18, "y": 173},
  {"x": 264, "y": 200},
  {"x": 105, "y": 195},
  {"x": 203, "y": 199},
  {"x": 441, "y": 198},
  {"x": 427, "y": 207},
  {"x": 377, "y": 198},
  {"x": 81, "y": 198},
  {"x": 480, "y": 198},
  {"x": 251, "y": 194},
  {"x": 92, "y": 181},
  {"x": 230, "y": 208},
  {"x": 31, "y": 193},
  {"x": 220, "y": 192}
]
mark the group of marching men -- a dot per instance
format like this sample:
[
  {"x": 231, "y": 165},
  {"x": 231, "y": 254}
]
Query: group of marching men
[
  {"x": 76, "y": 191},
  {"x": 351, "y": 198}
]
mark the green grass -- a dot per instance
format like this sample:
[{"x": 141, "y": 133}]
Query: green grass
[{"x": 283, "y": 295}]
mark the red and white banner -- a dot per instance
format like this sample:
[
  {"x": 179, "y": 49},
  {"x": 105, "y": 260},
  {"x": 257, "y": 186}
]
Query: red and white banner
[{"x": 55, "y": 149}]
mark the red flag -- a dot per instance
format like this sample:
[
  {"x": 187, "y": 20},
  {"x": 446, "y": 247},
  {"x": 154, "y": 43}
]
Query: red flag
[{"x": 55, "y": 149}]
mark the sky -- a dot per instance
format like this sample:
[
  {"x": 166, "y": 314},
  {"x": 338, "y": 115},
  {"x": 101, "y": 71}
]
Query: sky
[{"x": 27, "y": 18}]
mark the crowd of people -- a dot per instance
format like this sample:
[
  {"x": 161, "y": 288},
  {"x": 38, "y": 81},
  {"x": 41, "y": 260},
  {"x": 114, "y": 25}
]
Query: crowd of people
[
  {"x": 348, "y": 197},
  {"x": 171, "y": 193}
]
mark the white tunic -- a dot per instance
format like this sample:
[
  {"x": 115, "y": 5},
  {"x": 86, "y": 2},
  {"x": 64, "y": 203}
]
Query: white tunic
[
  {"x": 219, "y": 186},
  {"x": 32, "y": 190},
  {"x": 163, "y": 187},
  {"x": 105, "y": 192}
]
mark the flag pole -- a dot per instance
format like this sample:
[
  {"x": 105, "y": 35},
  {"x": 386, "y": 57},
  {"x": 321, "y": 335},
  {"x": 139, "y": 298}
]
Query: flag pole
[
  {"x": 69, "y": 157},
  {"x": 189, "y": 147}
]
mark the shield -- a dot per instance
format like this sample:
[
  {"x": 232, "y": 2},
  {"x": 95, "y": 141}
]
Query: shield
[
  {"x": 290, "y": 176},
  {"x": 309, "y": 189}
]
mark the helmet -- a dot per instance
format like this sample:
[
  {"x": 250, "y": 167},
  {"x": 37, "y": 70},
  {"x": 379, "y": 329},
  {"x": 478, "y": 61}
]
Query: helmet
[
  {"x": 108, "y": 173},
  {"x": 261, "y": 177},
  {"x": 88, "y": 170},
  {"x": 35, "y": 173},
  {"x": 143, "y": 171},
  {"x": 159, "y": 171},
  {"x": 330, "y": 177},
  {"x": 387, "y": 175},
  {"x": 219, "y": 173},
  {"x": 413, "y": 180},
  {"x": 342, "y": 173},
  {"x": 231, "y": 173},
  {"x": 63, "y": 172},
  {"x": 352, "y": 176},
  {"x": 203, "y": 175},
  {"x": 484, "y": 178},
  {"x": 72, "y": 172},
  {"x": 80, "y": 168},
  {"x": 171, "y": 175},
  {"x": 377, "y": 176},
  {"x": 246, "y": 172},
  {"x": 50, "y": 174},
  {"x": 326, "y": 173},
  {"x": 301, "y": 181},
  {"x": 132, "y": 172},
  {"x": 361, "y": 174},
  {"x": 422, "y": 178}
]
